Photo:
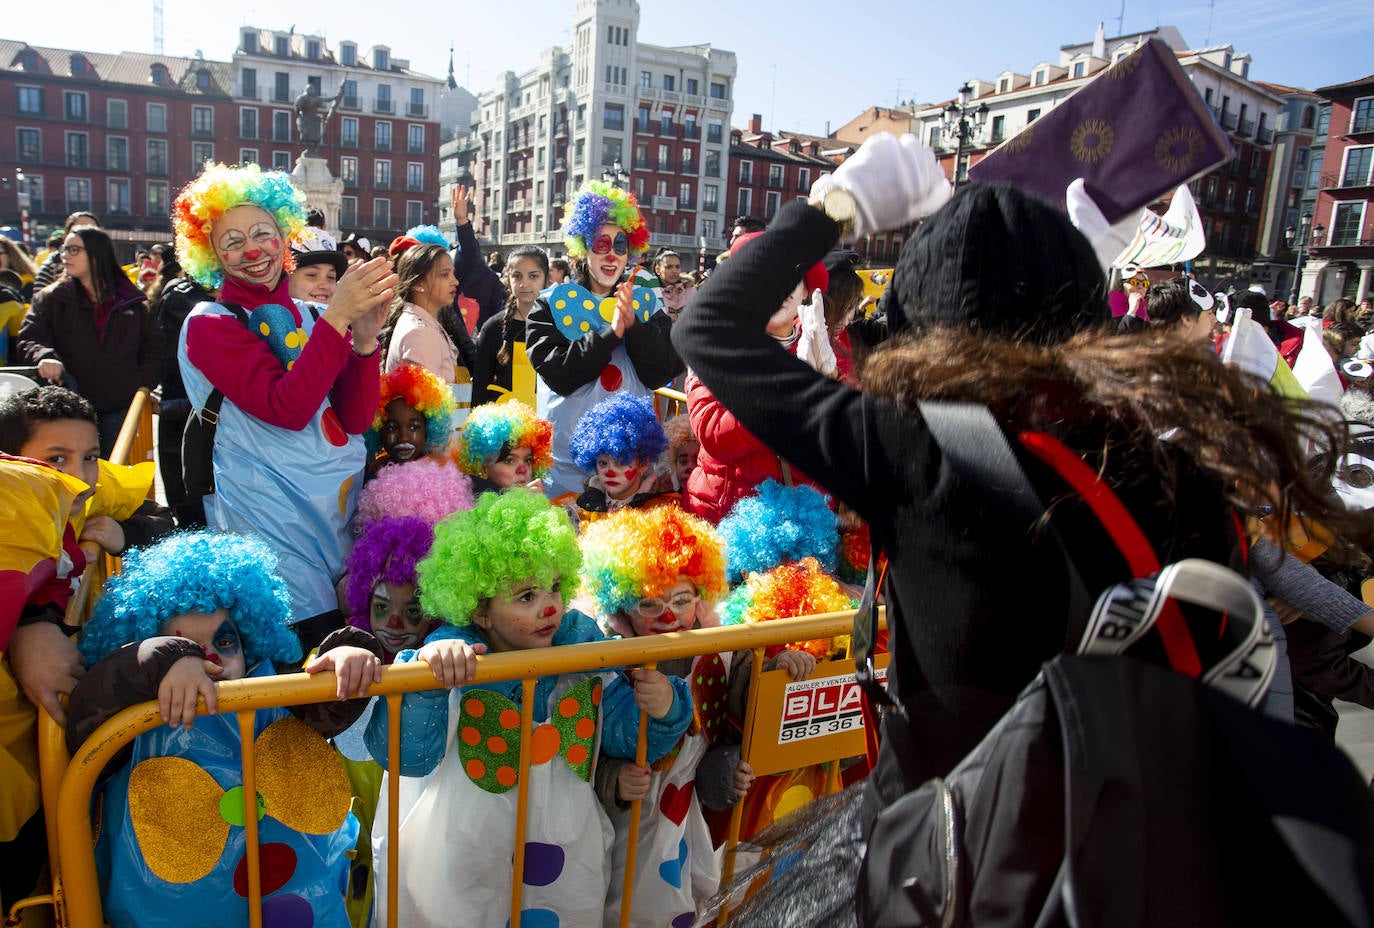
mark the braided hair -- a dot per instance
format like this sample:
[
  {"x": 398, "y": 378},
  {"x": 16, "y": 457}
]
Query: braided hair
[{"x": 540, "y": 257}]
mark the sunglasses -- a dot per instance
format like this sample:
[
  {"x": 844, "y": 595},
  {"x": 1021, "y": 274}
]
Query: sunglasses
[{"x": 604, "y": 244}]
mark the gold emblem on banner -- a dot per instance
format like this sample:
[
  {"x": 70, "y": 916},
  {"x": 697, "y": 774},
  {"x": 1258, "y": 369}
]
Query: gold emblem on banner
[
  {"x": 1179, "y": 148},
  {"x": 1092, "y": 140}
]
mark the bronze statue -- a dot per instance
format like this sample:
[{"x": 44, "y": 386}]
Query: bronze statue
[{"x": 312, "y": 115}]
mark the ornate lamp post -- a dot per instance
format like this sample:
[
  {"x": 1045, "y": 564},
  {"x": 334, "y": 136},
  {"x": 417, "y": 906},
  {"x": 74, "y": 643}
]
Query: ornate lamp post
[
  {"x": 965, "y": 122},
  {"x": 1298, "y": 239},
  {"x": 616, "y": 174}
]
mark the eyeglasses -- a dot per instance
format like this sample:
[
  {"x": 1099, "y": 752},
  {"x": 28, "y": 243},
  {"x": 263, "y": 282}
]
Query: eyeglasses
[
  {"x": 679, "y": 605},
  {"x": 72, "y": 250},
  {"x": 604, "y": 244}
]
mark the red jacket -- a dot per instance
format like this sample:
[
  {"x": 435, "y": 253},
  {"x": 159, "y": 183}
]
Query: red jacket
[{"x": 732, "y": 461}]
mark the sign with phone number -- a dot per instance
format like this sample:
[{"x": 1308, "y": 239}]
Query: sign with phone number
[{"x": 816, "y": 720}]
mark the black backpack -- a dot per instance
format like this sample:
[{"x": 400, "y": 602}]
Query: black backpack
[{"x": 198, "y": 438}]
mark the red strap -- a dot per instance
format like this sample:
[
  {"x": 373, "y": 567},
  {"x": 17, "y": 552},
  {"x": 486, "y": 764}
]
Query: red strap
[{"x": 1125, "y": 533}]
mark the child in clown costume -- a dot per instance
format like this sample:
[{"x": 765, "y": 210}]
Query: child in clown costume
[
  {"x": 500, "y": 576},
  {"x": 505, "y": 445},
  {"x": 596, "y": 335},
  {"x": 184, "y": 614},
  {"x": 650, "y": 572},
  {"x": 414, "y": 418},
  {"x": 617, "y": 443},
  {"x": 298, "y": 386}
]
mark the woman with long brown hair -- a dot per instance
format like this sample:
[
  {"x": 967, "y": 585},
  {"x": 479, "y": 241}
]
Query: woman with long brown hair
[{"x": 412, "y": 334}]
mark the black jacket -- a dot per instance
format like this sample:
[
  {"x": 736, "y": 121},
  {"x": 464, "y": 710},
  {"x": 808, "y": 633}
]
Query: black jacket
[
  {"x": 178, "y": 298},
  {"x": 108, "y": 369},
  {"x": 977, "y": 599},
  {"x": 490, "y": 372}
]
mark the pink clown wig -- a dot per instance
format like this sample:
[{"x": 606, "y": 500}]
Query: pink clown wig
[{"x": 425, "y": 489}]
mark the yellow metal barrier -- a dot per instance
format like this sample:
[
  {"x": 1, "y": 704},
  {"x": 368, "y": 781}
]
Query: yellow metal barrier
[
  {"x": 668, "y": 403},
  {"x": 81, "y": 896}
]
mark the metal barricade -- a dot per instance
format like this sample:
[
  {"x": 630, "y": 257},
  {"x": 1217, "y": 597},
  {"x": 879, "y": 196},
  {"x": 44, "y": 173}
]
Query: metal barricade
[{"x": 668, "y": 403}]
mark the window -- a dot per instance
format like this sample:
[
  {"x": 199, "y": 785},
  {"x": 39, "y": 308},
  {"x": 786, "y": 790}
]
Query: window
[
  {"x": 248, "y": 156},
  {"x": 1040, "y": 77},
  {"x": 415, "y": 213},
  {"x": 775, "y": 175},
  {"x": 157, "y": 199},
  {"x": 713, "y": 130},
  {"x": 689, "y": 161},
  {"x": 201, "y": 152},
  {"x": 415, "y": 139},
  {"x": 383, "y": 98},
  {"x": 281, "y": 45},
  {"x": 614, "y": 117},
  {"x": 1362, "y": 117},
  {"x": 74, "y": 105},
  {"x": 157, "y": 156},
  {"x": 381, "y": 174},
  {"x": 665, "y": 158},
  {"x": 348, "y": 169},
  {"x": 78, "y": 150},
  {"x": 415, "y": 177},
  {"x": 281, "y": 126},
  {"x": 417, "y": 102},
  {"x": 248, "y": 122},
  {"x": 710, "y": 198},
  {"x": 579, "y": 151},
  {"x": 382, "y": 136},
  {"x": 642, "y": 122},
  {"x": 684, "y": 196},
  {"x": 78, "y": 194},
  {"x": 1314, "y": 171},
  {"x": 1357, "y": 163},
  {"x": 349, "y": 101},
  {"x": 708, "y": 229},
  {"x": 646, "y": 79},
  {"x": 669, "y": 82},
  {"x": 348, "y": 212},
  {"x": 202, "y": 79},
  {"x": 746, "y": 172},
  {"x": 312, "y": 49},
  {"x": 693, "y": 87},
  {"x": 770, "y": 204},
  {"x": 804, "y": 180},
  {"x": 610, "y": 151},
  {"x": 933, "y": 137},
  {"x": 717, "y": 91},
  {"x": 1080, "y": 68},
  {"x": 30, "y": 146},
  {"x": 661, "y": 188},
  {"x": 1032, "y": 116},
  {"x": 116, "y": 153},
  {"x": 745, "y": 202},
  {"x": 349, "y": 53},
  {"x": 381, "y": 213},
  {"x": 31, "y": 100},
  {"x": 348, "y": 131},
  {"x": 1004, "y": 85},
  {"x": 281, "y": 161},
  {"x": 1347, "y": 222},
  {"x": 1323, "y": 120},
  {"x": 250, "y": 42},
  {"x": 116, "y": 114},
  {"x": 312, "y": 83},
  {"x": 712, "y": 163},
  {"x": 281, "y": 87},
  {"x": 639, "y": 189},
  {"x": 202, "y": 122},
  {"x": 1309, "y": 117},
  {"x": 999, "y": 128}
]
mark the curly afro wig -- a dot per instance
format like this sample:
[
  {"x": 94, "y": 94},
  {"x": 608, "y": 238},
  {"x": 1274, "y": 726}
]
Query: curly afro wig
[
  {"x": 785, "y": 592},
  {"x": 621, "y": 426},
  {"x": 596, "y": 204},
  {"x": 218, "y": 189},
  {"x": 388, "y": 550},
  {"x": 426, "y": 489},
  {"x": 423, "y": 391},
  {"x": 494, "y": 427},
  {"x": 196, "y": 572},
  {"x": 507, "y": 538},
  {"x": 780, "y": 524},
  {"x": 636, "y": 554}
]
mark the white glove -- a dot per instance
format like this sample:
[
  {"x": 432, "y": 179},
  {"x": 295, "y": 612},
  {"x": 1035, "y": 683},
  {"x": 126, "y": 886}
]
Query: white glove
[
  {"x": 893, "y": 183},
  {"x": 813, "y": 345},
  {"x": 1109, "y": 240}
]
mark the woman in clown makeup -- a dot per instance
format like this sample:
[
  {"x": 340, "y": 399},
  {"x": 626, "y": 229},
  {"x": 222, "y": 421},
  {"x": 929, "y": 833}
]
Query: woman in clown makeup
[
  {"x": 296, "y": 386},
  {"x": 589, "y": 339}
]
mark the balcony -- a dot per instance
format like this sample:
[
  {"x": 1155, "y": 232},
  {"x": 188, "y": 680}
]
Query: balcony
[
  {"x": 1264, "y": 136},
  {"x": 247, "y": 134},
  {"x": 202, "y": 132},
  {"x": 1347, "y": 241},
  {"x": 560, "y": 131},
  {"x": 997, "y": 138},
  {"x": 380, "y": 145},
  {"x": 1335, "y": 182},
  {"x": 1245, "y": 128},
  {"x": 713, "y": 134},
  {"x": 688, "y": 204},
  {"x": 281, "y": 95},
  {"x": 350, "y": 103},
  {"x": 418, "y": 110},
  {"x": 415, "y": 187},
  {"x": 712, "y": 170},
  {"x": 519, "y": 205},
  {"x": 1363, "y": 126},
  {"x": 383, "y": 105},
  {"x": 348, "y": 142},
  {"x": 382, "y": 183},
  {"x": 560, "y": 164},
  {"x": 692, "y": 132},
  {"x": 775, "y": 182},
  {"x": 665, "y": 166},
  {"x": 250, "y": 93},
  {"x": 559, "y": 199},
  {"x": 413, "y": 149}
]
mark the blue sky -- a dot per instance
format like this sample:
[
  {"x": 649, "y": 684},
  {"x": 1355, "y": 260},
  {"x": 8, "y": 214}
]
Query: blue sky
[{"x": 801, "y": 64}]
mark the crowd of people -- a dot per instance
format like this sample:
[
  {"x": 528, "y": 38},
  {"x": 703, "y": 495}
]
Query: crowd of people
[{"x": 334, "y": 506}]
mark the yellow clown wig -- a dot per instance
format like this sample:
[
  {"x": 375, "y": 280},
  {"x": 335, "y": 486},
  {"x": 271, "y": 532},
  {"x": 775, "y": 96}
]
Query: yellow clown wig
[
  {"x": 218, "y": 189},
  {"x": 636, "y": 554}
]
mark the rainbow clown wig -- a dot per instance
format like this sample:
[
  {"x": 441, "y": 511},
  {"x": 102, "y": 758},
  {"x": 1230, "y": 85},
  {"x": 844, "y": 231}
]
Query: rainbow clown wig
[
  {"x": 636, "y": 554},
  {"x": 621, "y": 426},
  {"x": 426, "y": 489},
  {"x": 778, "y": 525},
  {"x": 506, "y": 539},
  {"x": 196, "y": 572},
  {"x": 496, "y": 427},
  {"x": 596, "y": 204},
  {"x": 785, "y": 592},
  {"x": 218, "y": 189},
  {"x": 387, "y": 551},
  {"x": 423, "y": 391}
]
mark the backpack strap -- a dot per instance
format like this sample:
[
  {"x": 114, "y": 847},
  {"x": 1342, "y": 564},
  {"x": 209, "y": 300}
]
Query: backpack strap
[
  {"x": 198, "y": 436},
  {"x": 209, "y": 413}
]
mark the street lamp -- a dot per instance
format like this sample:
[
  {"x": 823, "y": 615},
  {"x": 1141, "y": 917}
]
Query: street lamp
[
  {"x": 1297, "y": 240},
  {"x": 24, "y": 203},
  {"x": 616, "y": 175},
  {"x": 958, "y": 120}
]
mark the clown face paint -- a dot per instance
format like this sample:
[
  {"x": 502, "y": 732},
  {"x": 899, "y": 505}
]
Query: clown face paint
[
  {"x": 620, "y": 480},
  {"x": 674, "y": 611},
  {"x": 512, "y": 467},
  {"x": 403, "y": 432},
  {"x": 396, "y": 617},
  {"x": 249, "y": 245},
  {"x": 605, "y": 267},
  {"x": 526, "y": 617},
  {"x": 217, "y": 634}
]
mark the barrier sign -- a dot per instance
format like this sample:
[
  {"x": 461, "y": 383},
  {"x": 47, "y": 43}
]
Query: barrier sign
[{"x": 810, "y": 721}]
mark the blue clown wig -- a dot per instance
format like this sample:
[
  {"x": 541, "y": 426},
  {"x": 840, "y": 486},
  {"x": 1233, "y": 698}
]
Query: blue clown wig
[
  {"x": 428, "y": 235},
  {"x": 196, "y": 572},
  {"x": 779, "y": 525},
  {"x": 621, "y": 426}
]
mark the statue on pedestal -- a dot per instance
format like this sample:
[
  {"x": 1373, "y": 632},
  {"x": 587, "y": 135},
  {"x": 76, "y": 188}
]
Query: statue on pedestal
[{"x": 312, "y": 115}]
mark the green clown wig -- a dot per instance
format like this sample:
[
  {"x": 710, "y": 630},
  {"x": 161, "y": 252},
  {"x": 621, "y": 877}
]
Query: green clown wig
[
  {"x": 218, "y": 189},
  {"x": 505, "y": 539}
]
